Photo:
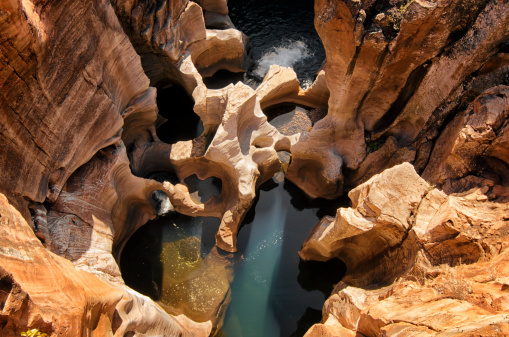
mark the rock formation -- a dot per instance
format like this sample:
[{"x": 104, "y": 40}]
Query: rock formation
[
  {"x": 399, "y": 70},
  {"x": 423, "y": 82},
  {"x": 45, "y": 291},
  {"x": 73, "y": 93},
  {"x": 420, "y": 261}
]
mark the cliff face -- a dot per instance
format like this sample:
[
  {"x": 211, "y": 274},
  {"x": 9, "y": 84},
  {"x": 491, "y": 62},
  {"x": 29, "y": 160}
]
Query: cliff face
[
  {"x": 396, "y": 70},
  {"x": 423, "y": 82},
  {"x": 73, "y": 94}
]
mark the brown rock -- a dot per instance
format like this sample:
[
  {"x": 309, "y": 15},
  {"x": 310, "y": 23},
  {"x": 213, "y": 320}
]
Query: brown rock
[
  {"x": 46, "y": 147},
  {"x": 44, "y": 291},
  {"x": 280, "y": 85},
  {"x": 73, "y": 92},
  {"x": 478, "y": 133},
  {"x": 329, "y": 329},
  {"x": 443, "y": 275},
  {"x": 378, "y": 220},
  {"x": 221, "y": 49},
  {"x": 243, "y": 154},
  {"x": 394, "y": 73}
]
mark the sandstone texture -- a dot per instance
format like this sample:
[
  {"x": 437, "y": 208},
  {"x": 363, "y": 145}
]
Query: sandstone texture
[
  {"x": 45, "y": 291},
  {"x": 395, "y": 72},
  {"x": 419, "y": 262},
  {"x": 419, "y": 88},
  {"x": 76, "y": 103}
]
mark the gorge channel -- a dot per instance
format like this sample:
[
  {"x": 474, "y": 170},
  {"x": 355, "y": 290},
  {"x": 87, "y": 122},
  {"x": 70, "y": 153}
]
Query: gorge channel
[{"x": 273, "y": 292}]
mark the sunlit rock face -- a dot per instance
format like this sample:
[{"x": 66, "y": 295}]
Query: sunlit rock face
[
  {"x": 395, "y": 72},
  {"x": 78, "y": 90},
  {"x": 73, "y": 93},
  {"x": 45, "y": 291},
  {"x": 420, "y": 261}
]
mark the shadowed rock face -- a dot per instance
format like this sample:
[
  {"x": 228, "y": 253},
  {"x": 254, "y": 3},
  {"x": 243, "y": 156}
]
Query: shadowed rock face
[{"x": 423, "y": 82}]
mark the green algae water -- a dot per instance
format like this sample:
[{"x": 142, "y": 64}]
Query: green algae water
[{"x": 173, "y": 260}]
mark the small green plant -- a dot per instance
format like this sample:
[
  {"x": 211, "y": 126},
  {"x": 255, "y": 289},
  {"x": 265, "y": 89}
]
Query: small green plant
[
  {"x": 34, "y": 333},
  {"x": 403, "y": 8},
  {"x": 373, "y": 146}
]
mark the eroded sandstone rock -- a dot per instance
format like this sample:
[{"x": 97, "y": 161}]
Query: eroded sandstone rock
[
  {"x": 478, "y": 134},
  {"x": 243, "y": 154},
  {"x": 73, "y": 91},
  {"x": 392, "y": 72},
  {"x": 418, "y": 261},
  {"x": 44, "y": 291}
]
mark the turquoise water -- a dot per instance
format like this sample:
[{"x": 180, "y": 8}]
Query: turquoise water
[
  {"x": 250, "y": 312},
  {"x": 273, "y": 292}
]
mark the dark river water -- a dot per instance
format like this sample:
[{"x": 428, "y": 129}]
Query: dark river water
[
  {"x": 273, "y": 292},
  {"x": 280, "y": 32}
]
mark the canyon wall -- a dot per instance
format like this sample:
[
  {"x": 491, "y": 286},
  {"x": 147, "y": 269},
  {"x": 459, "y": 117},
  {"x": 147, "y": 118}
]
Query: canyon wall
[
  {"x": 396, "y": 72},
  {"x": 422, "y": 83},
  {"x": 75, "y": 104},
  {"x": 418, "y": 82}
]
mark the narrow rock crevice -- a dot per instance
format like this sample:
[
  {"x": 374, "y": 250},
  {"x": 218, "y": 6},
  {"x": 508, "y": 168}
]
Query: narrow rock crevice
[{"x": 413, "y": 81}]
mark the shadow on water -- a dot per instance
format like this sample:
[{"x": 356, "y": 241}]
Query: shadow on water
[
  {"x": 175, "y": 105},
  {"x": 317, "y": 275},
  {"x": 274, "y": 293},
  {"x": 223, "y": 78},
  {"x": 139, "y": 270},
  {"x": 202, "y": 190},
  {"x": 310, "y": 317}
]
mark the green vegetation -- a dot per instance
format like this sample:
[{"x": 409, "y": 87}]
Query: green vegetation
[
  {"x": 373, "y": 146},
  {"x": 34, "y": 333},
  {"x": 403, "y": 8}
]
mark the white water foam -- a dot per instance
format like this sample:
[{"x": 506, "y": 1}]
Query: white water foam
[{"x": 285, "y": 55}]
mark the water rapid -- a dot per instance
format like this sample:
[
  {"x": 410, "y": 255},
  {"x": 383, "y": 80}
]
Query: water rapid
[
  {"x": 288, "y": 54},
  {"x": 280, "y": 32}
]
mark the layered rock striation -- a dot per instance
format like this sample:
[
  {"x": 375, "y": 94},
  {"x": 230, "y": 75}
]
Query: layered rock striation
[
  {"x": 76, "y": 103},
  {"x": 395, "y": 71},
  {"x": 420, "y": 261},
  {"x": 420, "y": 82}
]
